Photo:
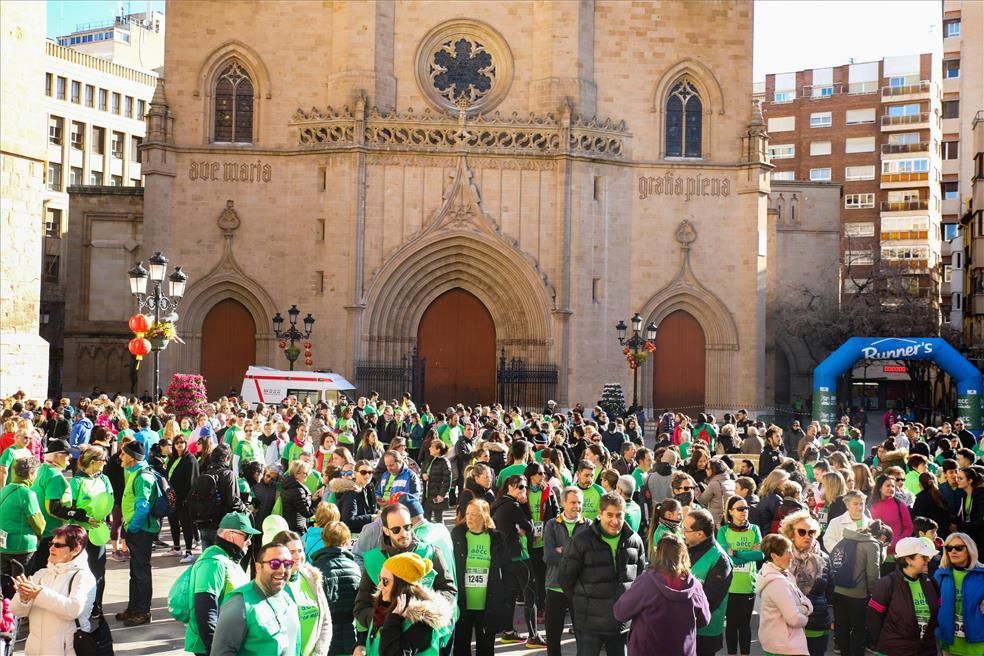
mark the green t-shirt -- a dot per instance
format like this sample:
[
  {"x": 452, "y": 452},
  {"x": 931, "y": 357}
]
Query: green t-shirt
[
  {"x": 511, "y": 470},
  {"x": 920, "y": 605},
  {"x": 612, "y": 542},
  {"x": 9, "y": 456},
  {"x": 685, "y": 451},
  {"x": 249, "y": 450},
  {"x": 640, "y": 478},
  {"x": 534, "y": 500},
  {"x": 745, "y": 545},
  {"x": 633, "y": 515},
  {"x": 477, "y": 565},
  {"x": 50, "y": 484},
  {"x": 592, "y": 501},
  {"x": 857, "y": 449},
  {"x": 17, "y": 503}
]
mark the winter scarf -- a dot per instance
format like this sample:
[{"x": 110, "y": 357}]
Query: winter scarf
[{"x": 806, "y": 567}]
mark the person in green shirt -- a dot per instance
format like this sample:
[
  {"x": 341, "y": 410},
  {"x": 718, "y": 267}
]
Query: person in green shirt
[
  {"x": 626, "y": 486},
  {"x": 14, "y": 452},
  {"x": 903, "y": 609},
  {"x": 54, "y": 496},
  {"x": 90, "y": 490},
  {"x": 740, "y": 539},
  {"x": 139, "y": 491},
  {"x": 260, "y": 618},
  {"x": 21, "y": 522},
  {"x": 306, "y": 589},
  {"x": 592, "y": 491}
]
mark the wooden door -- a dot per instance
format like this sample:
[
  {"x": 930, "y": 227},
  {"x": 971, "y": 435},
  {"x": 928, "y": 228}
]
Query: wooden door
[
  {"x": 228, "y": 347},
  {"x": 678, "y": 365},
  {"x": 456, "y": 337}
]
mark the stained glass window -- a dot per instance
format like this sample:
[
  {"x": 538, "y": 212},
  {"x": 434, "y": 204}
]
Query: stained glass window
[
  {"x": 233, "y": 106},
  {"x": 683, "y": 121}
]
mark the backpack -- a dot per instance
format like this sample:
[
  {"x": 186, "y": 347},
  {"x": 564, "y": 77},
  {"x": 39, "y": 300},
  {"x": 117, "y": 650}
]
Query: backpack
[
  {"x": 842, "y": 559},
  {"x": 166, "y": 502},
  {"x": 204, "y": 501},
  {"x": 179, "y": 597}
]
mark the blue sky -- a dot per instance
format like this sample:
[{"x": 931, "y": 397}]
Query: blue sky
[{"x": 824, "y": 32}]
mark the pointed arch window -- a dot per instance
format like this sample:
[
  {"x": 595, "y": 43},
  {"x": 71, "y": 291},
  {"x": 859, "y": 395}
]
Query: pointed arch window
[
  {"x": 684, "y": 114},
  {"x": 233, "y": 106}
]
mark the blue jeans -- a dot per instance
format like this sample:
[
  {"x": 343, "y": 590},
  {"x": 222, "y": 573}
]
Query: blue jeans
[
  {"x": 141, "y": 545},
  {"x": 590, "y": 644}
]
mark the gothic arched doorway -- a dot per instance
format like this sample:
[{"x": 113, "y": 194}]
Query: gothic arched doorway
[
  {"x": 678, "y": 365},
  {"x": 456, "y": 336},
  {"x": 228, "y": 347}
]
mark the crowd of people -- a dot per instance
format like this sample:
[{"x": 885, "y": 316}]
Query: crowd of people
[{"x": 375, "y": 527}]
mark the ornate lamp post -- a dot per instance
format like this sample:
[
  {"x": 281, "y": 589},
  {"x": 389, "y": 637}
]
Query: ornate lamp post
[
  {"x": 635, "y": 345},
  {"x": 156, "y": 300},
  {"x": 293, "y": 334}
]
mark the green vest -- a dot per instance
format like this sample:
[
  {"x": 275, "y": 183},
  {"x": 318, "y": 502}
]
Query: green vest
[
  {"x": 700, "y": 570},
  {"x": 372, "y": 640},
  {"x": 216, "y": 573},
  {"x": 272, "y": 629},
  {"x": 308, "y": 611}
]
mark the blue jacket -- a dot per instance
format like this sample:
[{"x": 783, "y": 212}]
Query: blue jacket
[
  {"x": 406, "y": 482},
  {"x": 79, "y": 436},
  {"x": 972, "y": 595}
]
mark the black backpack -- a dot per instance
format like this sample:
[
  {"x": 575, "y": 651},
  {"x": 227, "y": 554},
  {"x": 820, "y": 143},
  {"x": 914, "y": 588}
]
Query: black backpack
[
  {"x": 842, "y": 559},
  {"x": 166, "y": 502},
  {"x": 204, "y": 500}
]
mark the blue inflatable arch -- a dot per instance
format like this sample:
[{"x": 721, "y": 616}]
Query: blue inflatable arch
[{"x": 946, "y": 357}]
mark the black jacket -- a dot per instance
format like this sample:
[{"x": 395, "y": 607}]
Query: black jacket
[
  {"x": 769, "y": 459},
  {"x": 718, "y": 579},
  {"x": 972, "y": 523},
  {"x": 438, "y": 483},
  {"x": 298, "y": 506},
  {"x": 356, "y": 506},
  {"x": 116, "y": 475},
  {"x": 227, "y": 488},
  {"x": 892, "y": 619},
  {"x": 183, "y": 476},
  {"x": 496, "y": 618},
  {"x": 510, "y": 517},
  {"x": 340, "y": 576},
  {"x": 473, "y": 491},
  {"x": 593, "y": 583},
  {"x": 462, "y": 451},
  {"x": 924, "y": 506},
  {"x": 821, "y": 595}
]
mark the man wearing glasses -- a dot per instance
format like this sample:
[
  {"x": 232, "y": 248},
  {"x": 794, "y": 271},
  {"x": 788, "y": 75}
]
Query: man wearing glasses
[
  {"x": 214, "y": 576},
  {"x": 260, "y": 618},
  {"x": 712, "y": 567},
  {"x": 398, "y": 537}
]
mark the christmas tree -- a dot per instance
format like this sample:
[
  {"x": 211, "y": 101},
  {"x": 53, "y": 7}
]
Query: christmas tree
[
  {"x": 187, "y": 395},
  {"x": 612, "y": 401}
]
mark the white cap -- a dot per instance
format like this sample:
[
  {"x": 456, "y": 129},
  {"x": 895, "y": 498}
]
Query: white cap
[{"x": 913, "y": 546}]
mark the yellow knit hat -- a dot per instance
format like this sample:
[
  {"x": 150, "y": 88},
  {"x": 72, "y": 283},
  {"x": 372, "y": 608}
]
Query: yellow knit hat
[{"x": 409, "y": 566}]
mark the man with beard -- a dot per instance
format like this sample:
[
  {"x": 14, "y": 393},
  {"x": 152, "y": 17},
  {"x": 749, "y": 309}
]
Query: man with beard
[
  {"x": 260, "y": 618},
  {"x": 710, "y": 564}
]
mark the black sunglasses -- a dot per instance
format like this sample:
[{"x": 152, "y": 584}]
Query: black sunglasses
[
  {"x": 365, "y": 472},
  {"x": 955, "y": 547},
  {"x": 803, "y": 532},
  {"x": 396, "y": 530}
]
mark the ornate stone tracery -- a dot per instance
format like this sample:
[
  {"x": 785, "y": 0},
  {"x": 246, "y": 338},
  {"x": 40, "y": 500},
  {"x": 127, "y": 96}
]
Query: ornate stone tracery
[{"x": 462, "y": 68}]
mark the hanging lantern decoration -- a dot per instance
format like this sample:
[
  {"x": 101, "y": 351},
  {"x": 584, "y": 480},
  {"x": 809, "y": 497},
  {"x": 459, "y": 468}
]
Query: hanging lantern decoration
[
  {"x": 139, "y": 324},
  {"x": 139, "y": 347},
  {"x": 308, "y": 362},
  {"x": 307, "y": 353},
  {"x": 283, "y": 344},
  {"x": 307, "y": 345}
]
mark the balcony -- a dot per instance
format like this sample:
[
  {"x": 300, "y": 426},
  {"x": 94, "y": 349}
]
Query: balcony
[
  {"x": 909, "y": 122},
  {"x": 905, "y": 92},
  {"x": 892, "y": 149},
  {"x": 904, "y": 205},
  {"x": 916, "y": 176}
]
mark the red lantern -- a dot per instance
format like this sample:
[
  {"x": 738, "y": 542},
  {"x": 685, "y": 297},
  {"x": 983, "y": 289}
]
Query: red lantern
[
  {"x": 139, "y": 347},
  {"x": 307, "y": 345},
  {"x": 307, "y": 354},
  {"x": 308, "y": 362},
  {"x": 139, "y": 324},
  {"x": 283, "y": 344}
]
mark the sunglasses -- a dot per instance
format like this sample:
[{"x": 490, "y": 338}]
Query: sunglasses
[
  {"x": 803, "y": 532},
  {"x": 365, "y": 472},
  {"x": 348, "y": 473},
  {"x": 686, "y": 489},
  {"x": 276, "y": 563},
  {"x": 58, "y": 545},
  {"x": 740, "y": 508},
  {"x": 520, "y": 487},
  {"x": 396, "y": 530},
  {"x": 385, "y": 580},
  {"x": 950, "y": 548}
]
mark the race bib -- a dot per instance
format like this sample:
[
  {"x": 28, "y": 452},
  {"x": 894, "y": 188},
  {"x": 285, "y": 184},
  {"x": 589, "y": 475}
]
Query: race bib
[
  {"x": 822, "y": 516},
  {"x": 958, "y": 629},
  {"x": 476, "y": 578},
  {"x": 748, "y": 568},
  {"x": 537, "y": 530},
  {"x": 3, "y": 539},
  {"x": 354, "y": 540},
  {"x": 922, "y": 629}
]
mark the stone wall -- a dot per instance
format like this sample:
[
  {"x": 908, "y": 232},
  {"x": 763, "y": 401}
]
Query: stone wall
[{"x": 23, "y": 138}]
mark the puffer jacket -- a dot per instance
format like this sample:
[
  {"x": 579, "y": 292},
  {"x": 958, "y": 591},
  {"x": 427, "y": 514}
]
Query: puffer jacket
[
  {"x": 892, "y": 620},
  {"x": 511, "y": 517},
  {"x": 867, "y": 564},
  {"x": 972, "y": 596},
  {"x": 555, "y": 537},
  {"x": 716, "y": 494},
  {"x": 340, "y": 576},
  {"x": 590, "y": 581},
  {"x": 473, "y": 491},
  {"x": 496, "y": 616},
  {"x": 298, "y": 506},
  {"x": 56, "y": 608},
  {"x": 426, "y": 614},
  {"x": 356, "y": 505},
  {"x": 784, "y": 613},
  {"x": 438, "y": 483}
]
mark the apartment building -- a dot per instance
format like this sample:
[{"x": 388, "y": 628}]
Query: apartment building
[
  {"x": 963, "y": 90},
  {"x": 95, "y": 111},
  {"x": 133, "y": 40},
  {"x": 875, "y": 128},
  {"x": 972, "y": 234}
]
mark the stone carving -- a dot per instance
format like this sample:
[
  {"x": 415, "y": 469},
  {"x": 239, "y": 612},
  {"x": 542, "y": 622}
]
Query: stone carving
[
  {"x": 494, "y": 133},
  {"x": 229, "y": 220},
  {"x": 686, "y": 234},
  {"x": 462, "y": 69}
]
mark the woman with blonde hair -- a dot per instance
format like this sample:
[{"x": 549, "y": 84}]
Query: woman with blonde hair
[
  {"x": 171, "y": 430},
  {"x": 864, "y": 482},
  {"x": 324, "y": 514},
  {"x": 960, "y": 579},
  {"x": 770, "y": 497},
  {"x": 831, "y": 501},
  {"x": 666, "y": 605},
  {"x": 810, "y": 569},
  {"x": 340, "y": 576},
  {"x": 785, "y": 610}
]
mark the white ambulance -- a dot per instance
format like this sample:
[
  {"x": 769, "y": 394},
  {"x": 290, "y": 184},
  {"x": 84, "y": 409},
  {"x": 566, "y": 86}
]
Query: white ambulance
[{"x": 268, "y": 385}]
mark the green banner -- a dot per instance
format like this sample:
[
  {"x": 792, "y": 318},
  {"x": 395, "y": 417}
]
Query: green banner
[
  {"x": 825, "y": 406},
  {"x": 969, "y": 409}
]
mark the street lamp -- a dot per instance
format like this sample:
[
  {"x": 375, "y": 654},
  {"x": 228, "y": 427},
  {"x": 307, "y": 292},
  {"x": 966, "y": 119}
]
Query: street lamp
[
  {"x": 292, "y": 333},
  {"x": 636, "y": 344},
  {"x": 156, "y": 299}
]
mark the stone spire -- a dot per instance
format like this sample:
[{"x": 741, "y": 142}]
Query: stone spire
[
  {"x": 160, "y": 120},
  {"x": 756, "y": 139}
]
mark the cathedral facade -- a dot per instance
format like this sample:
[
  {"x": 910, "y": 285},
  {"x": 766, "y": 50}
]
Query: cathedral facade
[{"x": 470, "y": 187}]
